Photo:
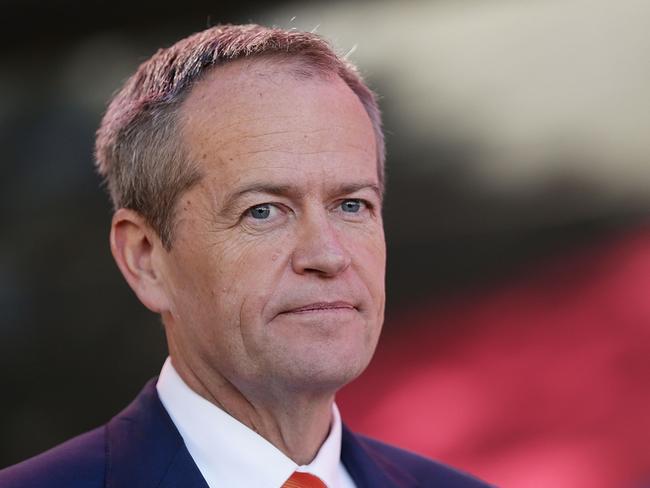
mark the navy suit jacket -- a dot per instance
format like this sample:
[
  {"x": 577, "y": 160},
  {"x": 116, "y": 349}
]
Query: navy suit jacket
[{"x": 141, "y": 448}]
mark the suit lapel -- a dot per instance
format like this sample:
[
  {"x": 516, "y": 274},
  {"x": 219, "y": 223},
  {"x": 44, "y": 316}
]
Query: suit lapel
[
  {"x": 369, "y": 468},
  {"x": 144, "y": 449}
]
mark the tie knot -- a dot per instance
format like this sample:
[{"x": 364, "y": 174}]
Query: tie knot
[{"x": 303, "y": 480}]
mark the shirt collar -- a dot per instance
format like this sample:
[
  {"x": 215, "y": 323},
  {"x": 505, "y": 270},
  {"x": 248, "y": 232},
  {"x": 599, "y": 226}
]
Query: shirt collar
[{"x": 227, "y": 452}]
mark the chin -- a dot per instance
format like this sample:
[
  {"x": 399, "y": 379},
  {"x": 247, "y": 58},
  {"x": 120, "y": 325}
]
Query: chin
[{"x": 317, "y": 373}]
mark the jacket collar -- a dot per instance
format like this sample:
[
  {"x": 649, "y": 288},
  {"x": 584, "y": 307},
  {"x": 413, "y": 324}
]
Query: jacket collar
[
  {"x": 144, "y": 449},
  {"x": 368, "y": 467}
]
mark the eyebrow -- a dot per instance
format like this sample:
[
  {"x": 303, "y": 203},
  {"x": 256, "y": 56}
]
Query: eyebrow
[{"x": 286, "y": 190}]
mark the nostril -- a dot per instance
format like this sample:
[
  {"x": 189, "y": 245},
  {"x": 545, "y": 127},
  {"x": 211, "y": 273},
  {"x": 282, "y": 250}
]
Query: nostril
[
  {"x": 318, "y": 248},
  {"x": 326, "y": 261}
]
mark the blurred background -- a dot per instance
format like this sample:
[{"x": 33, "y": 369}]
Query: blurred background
[{"x": 517, "y": 338}]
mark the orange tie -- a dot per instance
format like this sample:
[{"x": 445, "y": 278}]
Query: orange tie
[{"x": 303, "y": 480}]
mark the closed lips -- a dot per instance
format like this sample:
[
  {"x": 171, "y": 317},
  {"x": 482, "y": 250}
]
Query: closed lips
[{"x": 322, "y": 306}]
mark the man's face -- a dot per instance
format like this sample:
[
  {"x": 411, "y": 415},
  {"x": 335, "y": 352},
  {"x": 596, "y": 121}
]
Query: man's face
[{"x": 276, "y": 275}]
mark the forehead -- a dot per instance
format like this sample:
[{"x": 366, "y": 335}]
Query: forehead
[
  {"x": 264, "y": 107},
  {"x": 237, "y": 80}
]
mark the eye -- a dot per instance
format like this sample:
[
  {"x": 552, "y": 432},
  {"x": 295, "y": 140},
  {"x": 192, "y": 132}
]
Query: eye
[
  {"x": 352, "y": 206},
  {"x": 260, "y": 212}
]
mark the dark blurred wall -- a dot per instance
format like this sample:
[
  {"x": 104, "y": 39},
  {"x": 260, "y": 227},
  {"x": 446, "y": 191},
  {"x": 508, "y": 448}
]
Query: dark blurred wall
[{"x": 75, "y": 344}]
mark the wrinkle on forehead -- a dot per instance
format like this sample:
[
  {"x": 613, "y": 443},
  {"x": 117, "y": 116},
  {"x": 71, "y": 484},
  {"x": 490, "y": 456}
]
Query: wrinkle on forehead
[
  {"x": 268, "y": 93},
  {"x": 258, "y": 74}
]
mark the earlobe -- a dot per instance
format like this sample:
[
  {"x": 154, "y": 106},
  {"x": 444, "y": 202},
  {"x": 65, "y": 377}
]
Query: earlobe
[{"x": 134, "y": 245}]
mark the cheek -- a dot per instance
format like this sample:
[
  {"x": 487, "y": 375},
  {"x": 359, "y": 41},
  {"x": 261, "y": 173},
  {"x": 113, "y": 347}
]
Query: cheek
[
  {"x": 370, "y": 259},
  {"x": 369, "y": 252},
  {"x": 250, "y": 273}
]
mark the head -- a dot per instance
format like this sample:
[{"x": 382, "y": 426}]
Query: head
[
  {"x": 138, "y": 152},
  {"x": 246, "y": 169}
]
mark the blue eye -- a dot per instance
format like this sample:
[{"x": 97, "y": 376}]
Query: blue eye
[
  {"x": 260, "y": 212},
  {"x": 351, "y": 206}
]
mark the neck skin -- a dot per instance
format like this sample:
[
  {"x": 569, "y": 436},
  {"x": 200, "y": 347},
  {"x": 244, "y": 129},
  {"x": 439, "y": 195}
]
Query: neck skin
[{"x": 295, "y": 423}]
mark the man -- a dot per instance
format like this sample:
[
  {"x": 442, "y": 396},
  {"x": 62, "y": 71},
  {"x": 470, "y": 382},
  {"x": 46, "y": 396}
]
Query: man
[{"x": 246, "y": 169}]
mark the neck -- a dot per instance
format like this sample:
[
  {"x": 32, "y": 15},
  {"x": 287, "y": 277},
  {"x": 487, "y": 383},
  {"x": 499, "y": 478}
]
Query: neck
[{"x": 297, "y": 423}]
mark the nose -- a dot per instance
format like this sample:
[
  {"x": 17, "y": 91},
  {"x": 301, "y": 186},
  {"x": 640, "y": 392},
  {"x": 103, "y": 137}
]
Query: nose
[{"x": 319, "y": 249}]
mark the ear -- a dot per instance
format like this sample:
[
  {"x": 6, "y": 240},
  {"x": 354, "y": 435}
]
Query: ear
[{"x": 136, "y": 248}]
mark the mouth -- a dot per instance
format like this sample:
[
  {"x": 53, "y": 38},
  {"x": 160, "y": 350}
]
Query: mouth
[{"x": 322, "y": 307}]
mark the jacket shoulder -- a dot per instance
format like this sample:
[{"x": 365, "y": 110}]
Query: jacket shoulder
[
  {"x": 77, "y": 463},
  {"x": 427, "y": 472}
]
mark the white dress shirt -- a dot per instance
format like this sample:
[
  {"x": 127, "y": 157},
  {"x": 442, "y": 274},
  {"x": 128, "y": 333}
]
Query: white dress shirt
[{"x": 229, "y": 454}]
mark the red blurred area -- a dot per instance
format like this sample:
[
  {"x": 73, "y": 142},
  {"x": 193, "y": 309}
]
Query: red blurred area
[{"x": 540, "y": 382}]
